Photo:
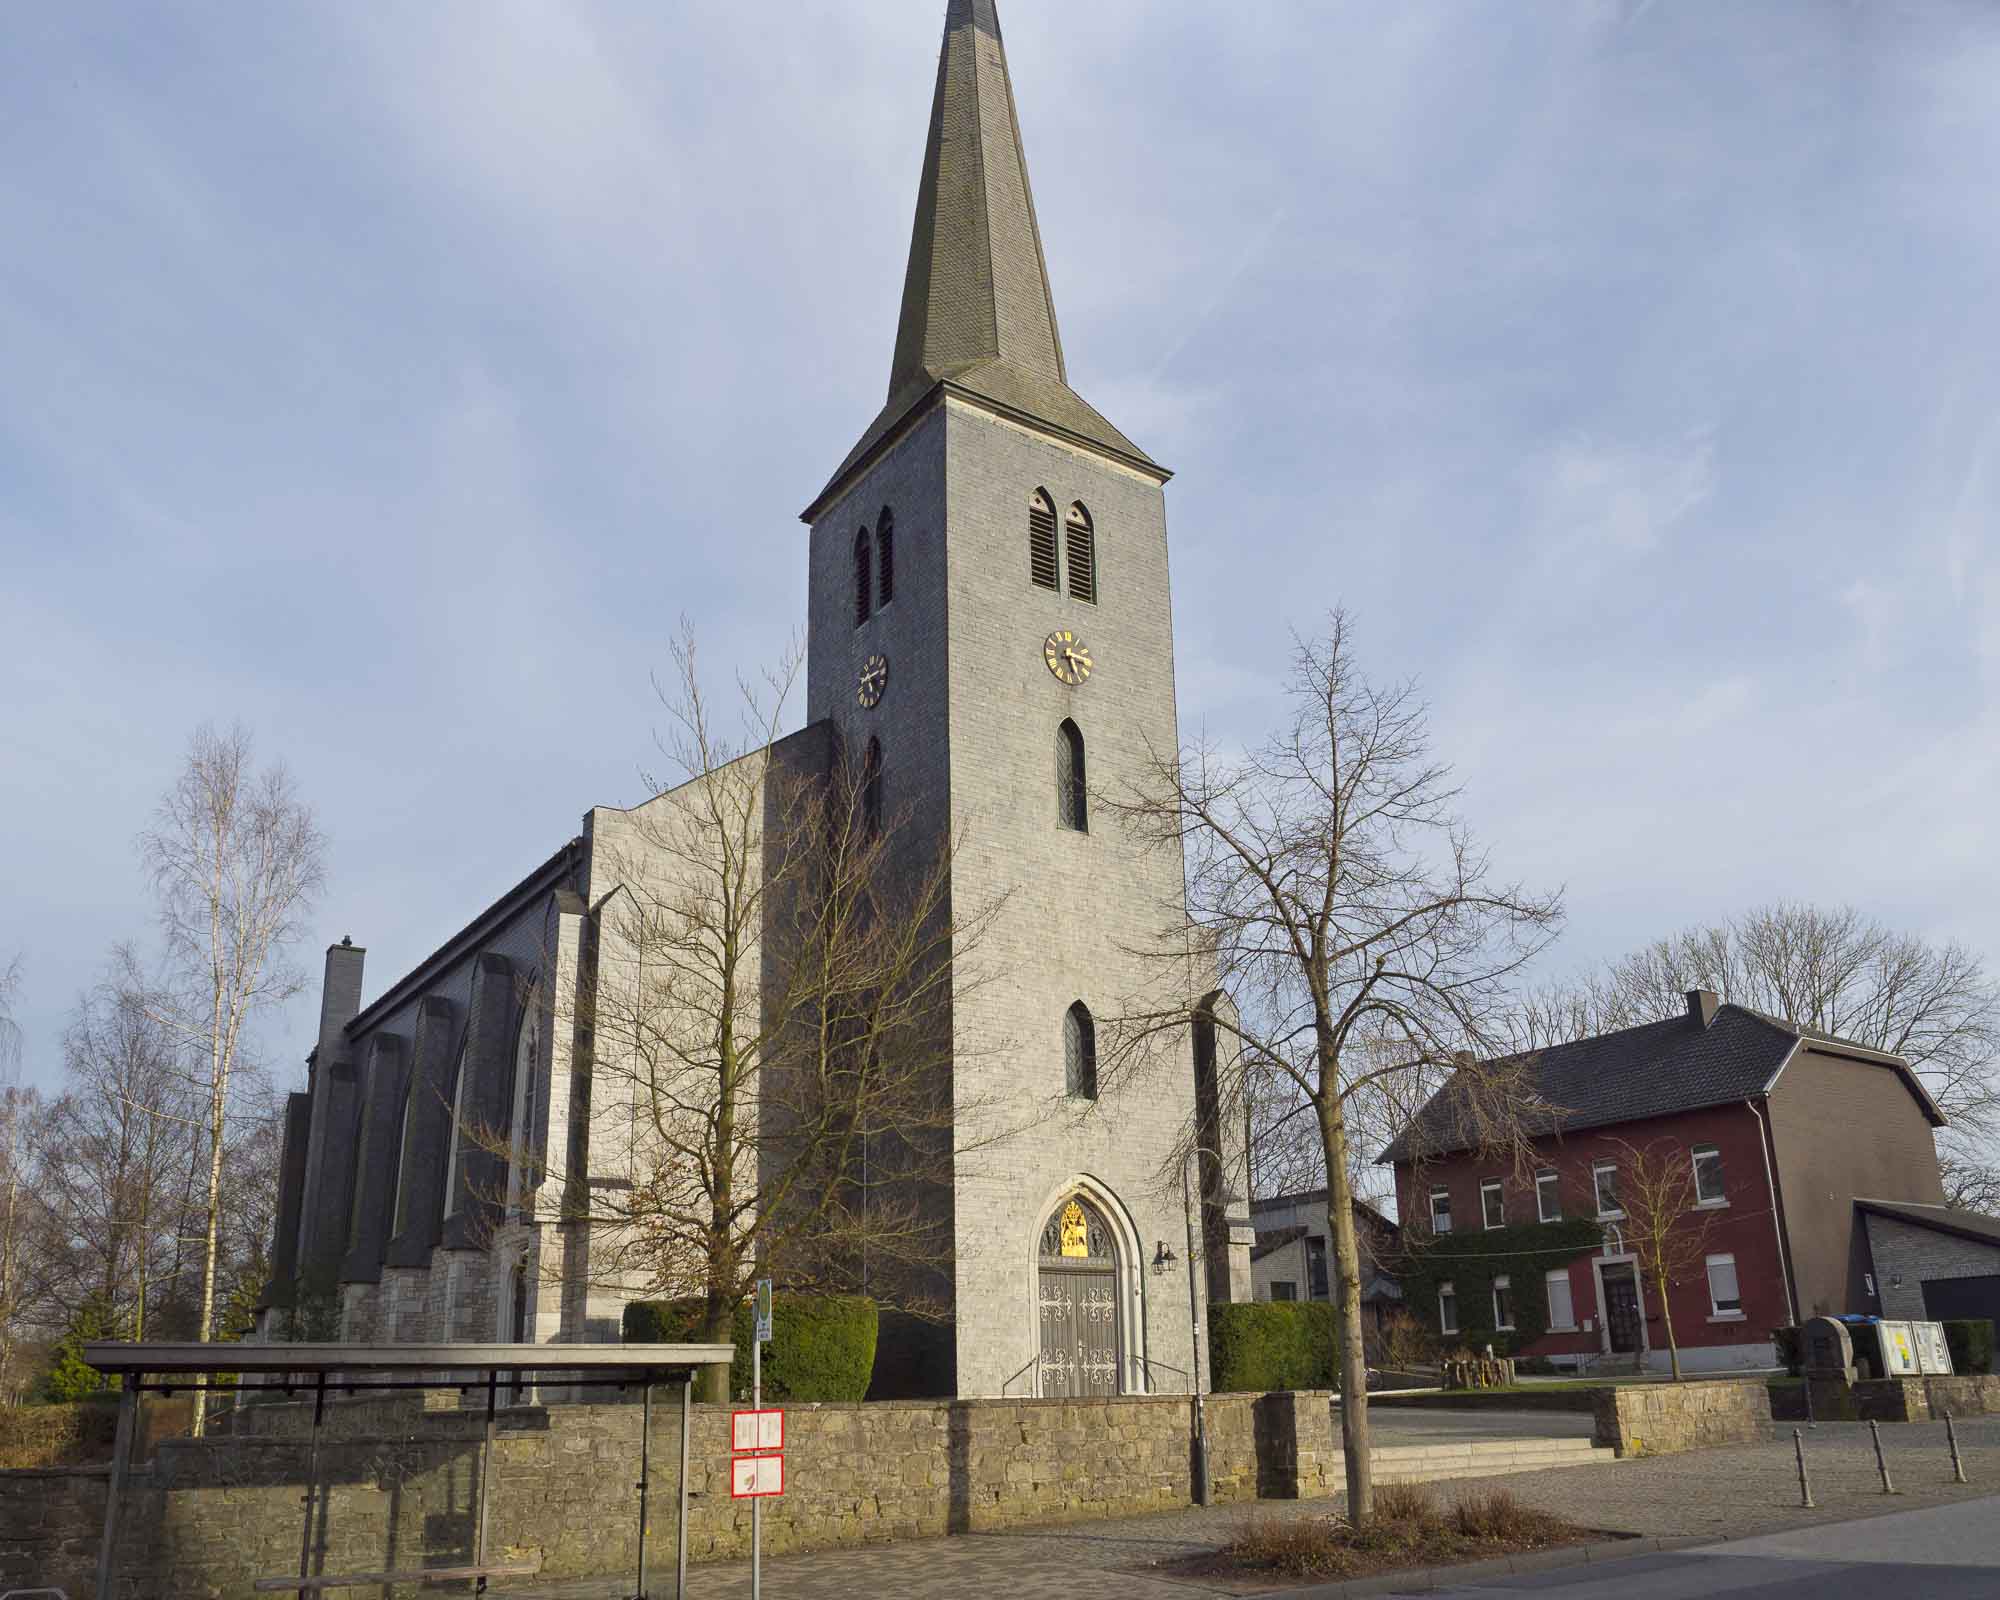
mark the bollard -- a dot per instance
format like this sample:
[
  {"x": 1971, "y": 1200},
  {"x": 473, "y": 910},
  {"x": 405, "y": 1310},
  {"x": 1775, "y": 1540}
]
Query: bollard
[
  {"x": 1951, "y": 1437},
  {"x": 1805, "y": 1488},
  {"x": 1881, "y": 1464}
]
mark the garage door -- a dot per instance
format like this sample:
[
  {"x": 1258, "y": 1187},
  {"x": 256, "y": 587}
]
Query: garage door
[{"x": 1947, "y": 1298}]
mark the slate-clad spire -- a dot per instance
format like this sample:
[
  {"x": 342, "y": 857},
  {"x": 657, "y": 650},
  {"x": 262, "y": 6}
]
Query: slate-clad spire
[{"x": 977, "y": 312}]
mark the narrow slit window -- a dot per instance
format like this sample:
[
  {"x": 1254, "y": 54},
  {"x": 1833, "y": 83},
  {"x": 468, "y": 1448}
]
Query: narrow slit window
[
  {"x": 1072, "y": 790},
  {"x": 1080, "y": 1053},
  {"x": 863, "y": 566},
  {"x": 1440, "y": 1210},
  {"x": 1082, "y": 556},
  {"x": 1562, "y": 1304},
  {"x": 885, "y": 558},
  {"x": 1604, "y": 1176},
  {"x": 457, "y": 1123},
  {"x": 1042, "y": 542},
  {"x": 1548, "y": 1197},
  {"x": 871, "y": 789}
]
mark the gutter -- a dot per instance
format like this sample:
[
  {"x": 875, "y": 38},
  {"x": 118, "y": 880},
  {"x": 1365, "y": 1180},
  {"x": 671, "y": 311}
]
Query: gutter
[{"x": 1777, "y": 1222}]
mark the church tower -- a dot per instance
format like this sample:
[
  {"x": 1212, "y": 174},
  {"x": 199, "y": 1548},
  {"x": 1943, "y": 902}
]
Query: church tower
[{"x": 990, "y": 625}]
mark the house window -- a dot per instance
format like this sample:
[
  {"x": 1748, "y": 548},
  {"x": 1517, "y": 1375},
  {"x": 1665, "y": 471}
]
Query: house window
[
  {"x": 1072, "y": 789},
  {"x": 1440, "y": 1210},
  {"x": 1725, "y": 1299},
  {"x": 863, "y": 565},
  {"x": 1082, "y": 556},
  {"x": 1548, "y": 1197},
  {"x": 885, "y": 557},
  {"x": 1447, "y": 1308},
  {"x": 1503, "y": 1305},
  {"x": 1284, "y": 1289},
  {"x": 1080, "y": 1053},
  {"x": 1562, "y": 1307},
  {"x": 1042, "y": 541},
  {"x": 1708, "y": 1189},
  {"x": 1492, "y": 1206},
  {"x": 1316, "y": 1281},
  {"x": 1605, "y": 1177}
]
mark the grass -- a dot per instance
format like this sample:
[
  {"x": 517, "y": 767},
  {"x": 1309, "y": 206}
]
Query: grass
[{"x": 1409, "y": 1529}]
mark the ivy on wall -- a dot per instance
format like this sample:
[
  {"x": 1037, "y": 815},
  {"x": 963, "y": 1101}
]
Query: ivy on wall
[{"x": 1523, "y": 1253}]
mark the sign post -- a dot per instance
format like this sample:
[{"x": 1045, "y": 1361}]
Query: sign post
[{"x": 758, "y": 1334}]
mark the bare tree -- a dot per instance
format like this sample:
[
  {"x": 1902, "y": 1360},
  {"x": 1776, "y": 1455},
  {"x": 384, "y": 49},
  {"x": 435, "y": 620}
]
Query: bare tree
[
  {"x": 769, "y": 1026},
  {"x": 236, "y": 861},
  {"x": 1843, "y": 973},
  {"x": 22, "y": 1216},
  {"x": 1664, "y": 1227},
  {"x": 1357, "y": 928}
]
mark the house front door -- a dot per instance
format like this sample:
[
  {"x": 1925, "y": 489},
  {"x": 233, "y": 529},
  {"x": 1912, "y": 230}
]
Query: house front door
[{"x": 1621, "y": 1310}]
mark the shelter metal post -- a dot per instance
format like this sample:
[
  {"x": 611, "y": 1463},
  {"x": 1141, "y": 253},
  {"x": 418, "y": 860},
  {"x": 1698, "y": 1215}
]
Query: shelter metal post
[
  {"x": 645, "y": 1474},
  {"x": 114, "y": 1491},
  {"x": 485, "y": 1480},
  {"x": 312, "y": 1481},
  {"x": 681, "y": 1524}
]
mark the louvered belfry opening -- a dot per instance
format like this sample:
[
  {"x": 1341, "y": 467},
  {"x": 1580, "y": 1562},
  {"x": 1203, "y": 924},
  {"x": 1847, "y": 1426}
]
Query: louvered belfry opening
[
  {"x": 1082, "y": 556},
  {"x": 1072, "y": 792},
  {"x": 1080, "y": 1053},
  {"x": 861, "y": 577},
  {"x": 1042, "y": 542},
  {"x": 885, "y": 557}
]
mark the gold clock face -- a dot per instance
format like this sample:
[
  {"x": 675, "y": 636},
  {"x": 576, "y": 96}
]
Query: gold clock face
[
  {"x": 874, "y": 679},
  {"x": 1068, "y": 657}
]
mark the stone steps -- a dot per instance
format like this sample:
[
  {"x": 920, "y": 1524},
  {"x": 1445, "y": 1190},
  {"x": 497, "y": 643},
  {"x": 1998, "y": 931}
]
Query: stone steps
[{"x": 1485, "y": 1458}]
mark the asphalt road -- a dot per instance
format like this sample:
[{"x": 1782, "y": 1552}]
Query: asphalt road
[{"x": 1943, "y": 1553}]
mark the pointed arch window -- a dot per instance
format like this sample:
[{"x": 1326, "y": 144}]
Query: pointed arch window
[
  {"x": 457, "y": 1123},
  {"x": 527, "y": 1067},
  {"x": 885, "y": 558},
  {"x": 863, "y": 565},
  {"x": 1042, "y": 541},
  {"x": 871, "y": 789},
  {"x": 1079, "y": 1053},
  {"x": 1072, "y": 789},
  {"x": 1082, "y": 555},
  {"x": 399, "y": 1210}
]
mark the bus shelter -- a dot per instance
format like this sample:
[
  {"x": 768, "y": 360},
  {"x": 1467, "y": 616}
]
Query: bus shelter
[{"x": 320, "y": 1370}]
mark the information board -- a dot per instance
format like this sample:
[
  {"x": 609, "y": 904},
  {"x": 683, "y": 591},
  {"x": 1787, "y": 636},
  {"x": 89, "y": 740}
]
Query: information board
[
  {"x": 1933, "y": 1352},
  {"x": 1899, "y": 1351}
]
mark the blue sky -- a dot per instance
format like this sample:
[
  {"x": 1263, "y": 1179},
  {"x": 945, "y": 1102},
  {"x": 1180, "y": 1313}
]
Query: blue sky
[{"x": 393, "y": 377}]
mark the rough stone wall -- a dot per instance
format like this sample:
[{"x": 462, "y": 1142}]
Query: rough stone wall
[
  {"x": 208, "y": 1518},
  {"x": 1907, "y": 1399},
  {"x": 1654, "y": 1419},
  {"x": 1912, "y": 1254}
]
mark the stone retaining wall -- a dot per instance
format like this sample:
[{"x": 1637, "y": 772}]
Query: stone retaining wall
[
  {"x": 208, "y": 1517},
  {"x": 1661, "y": 1418},
  {"x": 1905, "y": 1399}
]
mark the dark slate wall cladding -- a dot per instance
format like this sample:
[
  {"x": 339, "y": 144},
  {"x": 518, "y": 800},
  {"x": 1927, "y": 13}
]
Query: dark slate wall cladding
[
  {"x": 433, "y": 1056},
  {"x": 480, "y": 1178},
  {"x": 291, "y": 1188},
  {"x": 381, "y": 1125},
  {"x": 335, "y": 1119}
]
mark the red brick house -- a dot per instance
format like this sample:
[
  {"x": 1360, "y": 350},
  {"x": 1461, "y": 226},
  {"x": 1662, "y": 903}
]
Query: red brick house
[{"x": 1784, "y": 1129}]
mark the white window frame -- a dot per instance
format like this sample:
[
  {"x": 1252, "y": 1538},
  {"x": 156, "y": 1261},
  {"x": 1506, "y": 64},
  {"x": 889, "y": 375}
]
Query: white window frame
[
  {"x": 1597, "y": 1170},
  {"x": 1493, "y": 1187},
  {"x": 1715, "y": 1311},
  {"x": 1549, "y": 1281},
  {"x": 1548, "y": 1184},
  {"x": 1447, "y": 1296},
  {"x": 1440, "y": 1191},
  {"x": 1503, "y": 1285},
  {"x": 1702, "y": 1201}
]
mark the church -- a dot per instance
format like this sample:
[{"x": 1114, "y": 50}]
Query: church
[{"x": 990, "y": 621}]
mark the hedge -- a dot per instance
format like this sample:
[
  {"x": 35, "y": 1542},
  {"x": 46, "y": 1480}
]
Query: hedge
[
  {"x": 822, "y": 1346},
  {"x": 1270, "y": 1344},
  {"x": 1970, "y": 1340}
]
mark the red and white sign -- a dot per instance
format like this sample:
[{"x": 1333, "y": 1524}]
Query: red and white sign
[
  {"x": 752, "y": 1431},
  {"x": 756, "y": 1477}
]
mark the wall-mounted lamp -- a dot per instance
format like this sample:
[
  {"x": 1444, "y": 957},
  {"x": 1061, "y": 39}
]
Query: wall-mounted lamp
[{"x": 1164, "y": 1258}]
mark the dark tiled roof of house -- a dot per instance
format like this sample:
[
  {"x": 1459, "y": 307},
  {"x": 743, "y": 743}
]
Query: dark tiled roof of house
[
  {"x": 1653, "y": 1070},
  {"x": 1277, "y": 1239},
  {"x": 1940, "y": 1219}
]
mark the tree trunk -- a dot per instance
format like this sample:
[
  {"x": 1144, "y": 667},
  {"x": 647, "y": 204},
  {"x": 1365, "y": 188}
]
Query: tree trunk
[
  {"x": 215, "y": 1103},
  {"x": 718, "y": 1326},
  {"x": 1667, "y": 1319},
  {"x": 1353, "y": 1362}
]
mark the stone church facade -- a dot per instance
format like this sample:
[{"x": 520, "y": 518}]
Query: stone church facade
[{"x": 990, "y": 622}]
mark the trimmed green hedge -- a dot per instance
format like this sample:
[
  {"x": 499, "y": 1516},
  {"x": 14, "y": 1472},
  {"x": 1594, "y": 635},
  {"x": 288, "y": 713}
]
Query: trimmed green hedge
[
  {"x": 1970, "y": 1340},
  {"x": 822, "y": 1346},
  {"x": 1270, "y": 1344}
]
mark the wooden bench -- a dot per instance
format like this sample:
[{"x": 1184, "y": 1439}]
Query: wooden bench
[{"x": 363, "y": 1580}]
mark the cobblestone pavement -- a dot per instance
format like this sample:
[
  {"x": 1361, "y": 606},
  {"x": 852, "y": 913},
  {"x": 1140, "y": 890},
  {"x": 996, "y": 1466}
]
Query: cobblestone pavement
[{"x": 1716, "y": 1494}]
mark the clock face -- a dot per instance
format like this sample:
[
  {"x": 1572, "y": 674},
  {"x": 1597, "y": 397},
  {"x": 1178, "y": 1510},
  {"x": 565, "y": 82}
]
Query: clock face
[
  {"x": 1068, "y": 656},
  {"x": 874, "y": 679}
]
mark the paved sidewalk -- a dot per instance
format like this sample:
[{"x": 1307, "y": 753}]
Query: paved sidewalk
[{"x": 1714, "y": 1494}]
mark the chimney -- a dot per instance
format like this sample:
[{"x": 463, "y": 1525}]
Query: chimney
[
  {"x": 339, "y": 995},
  {"x": 1701, "y": 1006}
]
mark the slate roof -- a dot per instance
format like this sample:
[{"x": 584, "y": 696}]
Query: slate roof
[
  {"x": 978, "y": 316},
  {"x": 1973, "y": 1225},
  {"x": 1653, "y": 1070},
  {"x": 1277, "y": 1239}
]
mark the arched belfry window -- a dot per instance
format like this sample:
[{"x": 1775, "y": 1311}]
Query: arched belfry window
[
  {"x": 862, "y": 567},
  {"x": 1042, "y": 541},
  {"x": 1082, "y": 556},
  {"x": 1079, "y": 1053},
  {"x": 871, "y": 788},
  {"x": 885, "y": 557},
  {"x": 1072, "y": 791}
]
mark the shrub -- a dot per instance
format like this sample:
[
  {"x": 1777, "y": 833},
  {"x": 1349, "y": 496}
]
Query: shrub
[
  {"x": 1791, "y": 1348},
  {"x": 1970, "y": 1340},
  {"x": 1270, "y": 1344},
  {"x": 822, "y": 1346},
  {"x": 69, "y": 1378}
]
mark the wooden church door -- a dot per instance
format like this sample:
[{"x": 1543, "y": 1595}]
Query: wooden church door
[{"x": 1078, "y": 1292}]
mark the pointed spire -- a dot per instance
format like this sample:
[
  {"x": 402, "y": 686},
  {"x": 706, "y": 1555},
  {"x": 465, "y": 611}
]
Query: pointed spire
[
  {"x": 977, "y": 289},
  {"x": 977, "y": 313}
]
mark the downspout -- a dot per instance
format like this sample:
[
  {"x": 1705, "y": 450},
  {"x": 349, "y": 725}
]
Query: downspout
[{"x": 1777, "y": 1227}]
